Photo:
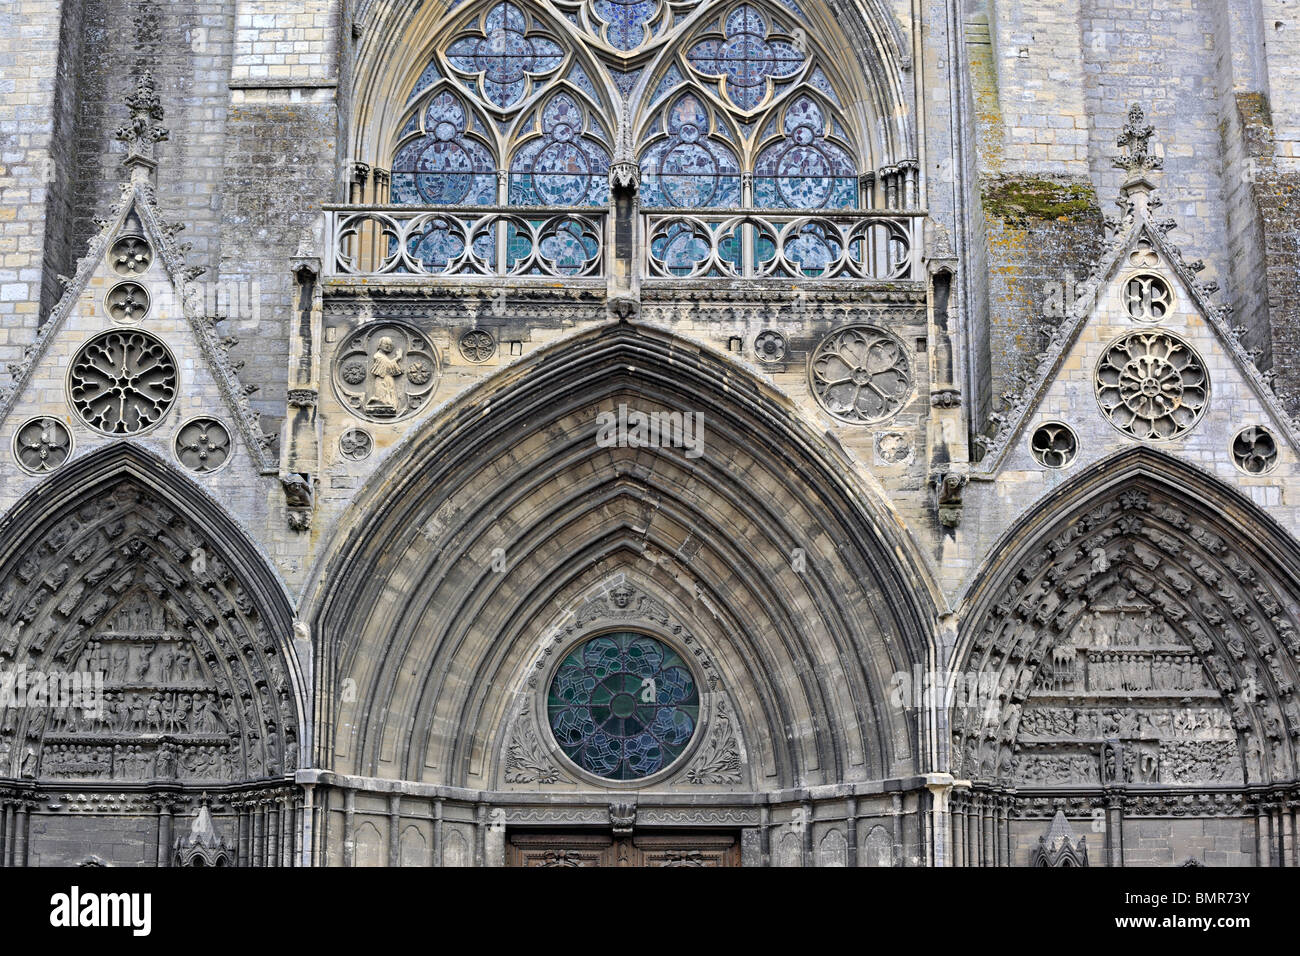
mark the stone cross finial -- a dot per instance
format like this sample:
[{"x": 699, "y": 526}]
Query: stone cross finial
[
  {"x": 145, "y": 127},
  {"x": 1135, "y": 141}
]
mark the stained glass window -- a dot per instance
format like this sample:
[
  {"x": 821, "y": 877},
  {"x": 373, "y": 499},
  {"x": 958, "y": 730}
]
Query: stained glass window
[
  {"x": 623, "y": 706},
  {"x": 505, "y": 56},
  {"x": 626, "y": 21},
  {"x": 745, "y": 58},
  {"x": 736, "y": 90},
  {"x": 567, "y": 164},
  {"x": 803, "y": 169},
  {"x": 449, "y": 163},
  {"x": 687, "y": 167}
]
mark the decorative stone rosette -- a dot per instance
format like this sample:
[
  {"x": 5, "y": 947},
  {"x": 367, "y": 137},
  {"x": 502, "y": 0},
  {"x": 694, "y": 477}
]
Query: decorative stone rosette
[
  {"x": 860, "y": 374},
  {"x": 386, "y": 372}
]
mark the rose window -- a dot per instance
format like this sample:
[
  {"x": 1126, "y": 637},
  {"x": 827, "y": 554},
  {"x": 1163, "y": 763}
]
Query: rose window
[
  {"x": 122, "y": 382},
  {"x": 1152, "y": 385},
  {"x": 623, "y": 706},
  {"x": 861, "y": 374}
]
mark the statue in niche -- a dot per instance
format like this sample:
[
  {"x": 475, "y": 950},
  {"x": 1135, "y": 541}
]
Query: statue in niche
[{"x": 385, "y": 369}]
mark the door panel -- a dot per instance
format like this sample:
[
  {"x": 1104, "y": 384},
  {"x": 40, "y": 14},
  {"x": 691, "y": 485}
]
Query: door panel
[{"x": 592, "y": 849}]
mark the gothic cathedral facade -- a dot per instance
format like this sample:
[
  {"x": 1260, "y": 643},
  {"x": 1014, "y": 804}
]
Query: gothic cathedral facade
[{"x": 599, "y": 432}]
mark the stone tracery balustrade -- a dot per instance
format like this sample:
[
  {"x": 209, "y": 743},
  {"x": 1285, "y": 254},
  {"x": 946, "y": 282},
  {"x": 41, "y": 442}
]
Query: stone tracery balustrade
[
  {"x": 471, "y": 241},
  {"x": 487, "y": 242},
  {"x": 783, "y": 244}
]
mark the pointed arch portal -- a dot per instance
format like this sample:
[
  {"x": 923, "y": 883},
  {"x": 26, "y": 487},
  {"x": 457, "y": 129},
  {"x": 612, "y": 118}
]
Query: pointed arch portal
[{"x": 760, "y": 557}]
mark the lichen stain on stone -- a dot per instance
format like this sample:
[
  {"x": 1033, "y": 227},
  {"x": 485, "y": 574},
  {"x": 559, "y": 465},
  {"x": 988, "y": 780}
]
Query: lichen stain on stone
[{"x": 1020, "y": 200}]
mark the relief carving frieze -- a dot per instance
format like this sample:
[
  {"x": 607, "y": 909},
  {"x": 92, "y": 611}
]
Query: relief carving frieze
[
  {"x": 1136, "y": 647},
  {"x": 179, "y": 677}
]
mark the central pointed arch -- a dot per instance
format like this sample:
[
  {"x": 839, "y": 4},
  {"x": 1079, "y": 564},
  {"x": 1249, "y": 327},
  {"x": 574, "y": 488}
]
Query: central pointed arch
[{"x": 767, "y": 551}]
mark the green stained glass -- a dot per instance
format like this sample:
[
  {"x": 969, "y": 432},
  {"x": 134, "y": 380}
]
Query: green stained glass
[{"x": 623, "y": 706}]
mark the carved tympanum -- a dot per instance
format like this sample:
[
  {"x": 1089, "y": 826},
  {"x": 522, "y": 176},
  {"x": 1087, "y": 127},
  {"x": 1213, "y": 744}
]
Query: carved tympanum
[{"x": 180, "y": 678}]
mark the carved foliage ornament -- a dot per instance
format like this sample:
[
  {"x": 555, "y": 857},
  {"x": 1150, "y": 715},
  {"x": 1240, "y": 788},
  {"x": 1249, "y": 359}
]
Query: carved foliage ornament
[
  {"x": 1152, "y": 385},
  {"x": 203, "y": 445},
  {"x": 42, "y": 445},
  {"x": 860, "y": 374},
  {"x": 130, "y": 256},
  {"x": 386, "y": 371},
  {"x": 122, "y": 382}
]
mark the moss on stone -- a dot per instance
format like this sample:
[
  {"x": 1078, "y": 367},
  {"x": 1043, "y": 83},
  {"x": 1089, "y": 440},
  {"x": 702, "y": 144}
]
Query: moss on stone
[
  {"x": 1020, "y": 200},
  {"x": 1255, "y": 107}
]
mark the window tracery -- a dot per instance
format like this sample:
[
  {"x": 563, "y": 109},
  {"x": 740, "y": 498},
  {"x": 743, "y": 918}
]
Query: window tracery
[{"x": 544, "y": 93}]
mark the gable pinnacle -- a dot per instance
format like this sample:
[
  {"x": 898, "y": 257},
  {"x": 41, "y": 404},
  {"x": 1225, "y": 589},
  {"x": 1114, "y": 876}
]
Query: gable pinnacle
[
  {"x": 144, "y": 129},
  {"x": 1137, "y": 159}
]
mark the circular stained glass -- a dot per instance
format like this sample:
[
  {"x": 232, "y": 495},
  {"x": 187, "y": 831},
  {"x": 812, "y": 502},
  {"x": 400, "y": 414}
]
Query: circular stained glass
[{"x": 623, "y": 706}]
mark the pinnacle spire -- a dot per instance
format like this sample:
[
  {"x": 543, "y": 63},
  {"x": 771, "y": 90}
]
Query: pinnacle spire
[
  {"x": 144, "y": 129},
  {"x": 1136, "y": 157}
]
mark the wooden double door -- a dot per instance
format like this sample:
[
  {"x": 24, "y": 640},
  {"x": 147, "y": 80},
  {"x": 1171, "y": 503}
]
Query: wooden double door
[{"x": 677, "y": 848}]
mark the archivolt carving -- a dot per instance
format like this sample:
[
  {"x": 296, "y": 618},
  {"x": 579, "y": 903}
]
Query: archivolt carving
[
  {"x": 719, "y": 758},
  {"x": 527, "y": 760},
  {"x": 622, "y": 602},
  {"x": 1136, "y": 646},
  {"x": 124, "y": 587}
]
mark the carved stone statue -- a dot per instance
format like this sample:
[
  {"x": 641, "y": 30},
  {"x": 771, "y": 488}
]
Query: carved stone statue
[{"x": 382, "y": 397}]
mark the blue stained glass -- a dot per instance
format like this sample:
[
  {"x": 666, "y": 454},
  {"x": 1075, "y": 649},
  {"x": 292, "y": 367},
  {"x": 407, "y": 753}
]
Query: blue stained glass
[
  {"x": 436, "y": 245},
  {"x": 430, "y": 76},
  {"x": 688, "y": 169},
  {"x": 578, "y": 76},
  {"x": 564, "y": 166},
  {"x": 570, "y": 247},
  {"x": 623, "y": 706},
  {"x": 817, "y": 79},
  {"x": 625, "y": 81},
  {"x": 814, "y": 248},
  {"x": 445, "y": 166},
  {"x": 627, "y": 21},
  {"x": 505, "y": 56},
  {"x": 680, "y": 248},
  {"x": 804, "y": 170},
  {"x": 671, "y": 79},
  {"x": 746, "y": 59}
]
